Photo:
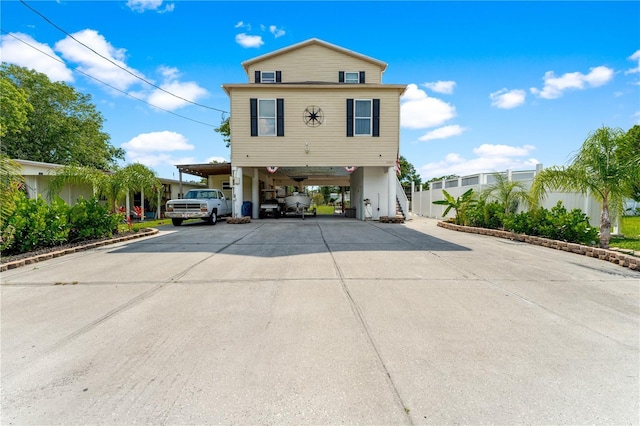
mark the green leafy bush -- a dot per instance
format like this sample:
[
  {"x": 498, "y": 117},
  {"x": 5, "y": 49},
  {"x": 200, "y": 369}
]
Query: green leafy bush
[
  {"x": 486, "y": 215},
  {"x": 35, "y": 224},
  {"x": 557, "y": 223},
  {"x": 89, "y": 219}
]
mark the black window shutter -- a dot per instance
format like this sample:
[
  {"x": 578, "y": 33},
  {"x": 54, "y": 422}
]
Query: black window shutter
[
  {"x": 254, "y": 115},
  {"x": 280, "y": 117},
  {"x": 278, "y": 76},
  {"x": 257, "y": 76},
  {"x": 361, "y": 77},
  {"x": 349, "y": 117},
  {"x": 340, "y": 76},
  {"x": 376, "y": 117}
]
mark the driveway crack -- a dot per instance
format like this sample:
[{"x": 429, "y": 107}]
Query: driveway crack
[{"x": 355, "y": 308}]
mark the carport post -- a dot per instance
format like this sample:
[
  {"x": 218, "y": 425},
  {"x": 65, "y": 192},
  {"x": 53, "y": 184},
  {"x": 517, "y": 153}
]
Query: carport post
[
  {"x": 392, "y": 191},
  {"x": 236, "y": 172},
  {"x": 255, "y": 193}
]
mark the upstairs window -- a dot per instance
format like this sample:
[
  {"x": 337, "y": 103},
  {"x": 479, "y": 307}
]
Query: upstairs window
[
  {"x": 268, "y": 76},
  {"x": 351, "y": 77}
]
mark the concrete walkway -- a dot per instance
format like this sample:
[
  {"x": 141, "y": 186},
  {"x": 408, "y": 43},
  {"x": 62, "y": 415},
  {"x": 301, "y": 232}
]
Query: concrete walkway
[{"x": 320, "y": 322}]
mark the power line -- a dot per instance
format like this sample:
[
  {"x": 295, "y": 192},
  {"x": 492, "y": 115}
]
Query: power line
[
  {"x": 107, "y": 84},
  {"x": 117, "y": 65}
]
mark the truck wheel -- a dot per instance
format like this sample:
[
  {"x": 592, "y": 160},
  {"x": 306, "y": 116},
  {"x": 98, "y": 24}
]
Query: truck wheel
[
  {"x": 213, "y": 218},
  {"x": 176, "y": 222}
]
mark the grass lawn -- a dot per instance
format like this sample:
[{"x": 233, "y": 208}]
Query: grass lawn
[
  {"x": 324, "y": 210},
  {"x": 631, "y": 230},
  {"x": 136, "y": 226}
]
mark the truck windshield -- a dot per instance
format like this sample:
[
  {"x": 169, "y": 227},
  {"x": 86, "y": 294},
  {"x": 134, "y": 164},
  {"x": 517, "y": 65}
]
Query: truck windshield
[{"x": 201, "y": 194}]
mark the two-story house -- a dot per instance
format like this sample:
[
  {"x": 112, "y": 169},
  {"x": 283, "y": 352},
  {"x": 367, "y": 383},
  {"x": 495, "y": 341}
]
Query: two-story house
[{"x": 316, "y": 114}]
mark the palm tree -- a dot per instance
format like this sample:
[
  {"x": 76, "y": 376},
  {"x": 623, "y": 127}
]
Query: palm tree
[
  {"x": 595, "y": 170},
  {"x": 459, "y": 205},
  {"x": 71, "y": 174},
  {"x": 138, "y": 177},
  {"x": 111, "y": 185},
  {"x": 507, "y": 192}
]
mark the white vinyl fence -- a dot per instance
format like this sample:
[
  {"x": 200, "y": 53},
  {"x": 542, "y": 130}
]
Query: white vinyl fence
[{"x": 422, "y": 201}]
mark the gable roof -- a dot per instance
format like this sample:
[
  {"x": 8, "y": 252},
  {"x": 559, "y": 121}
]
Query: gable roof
[{"x": 310, "y": 42}]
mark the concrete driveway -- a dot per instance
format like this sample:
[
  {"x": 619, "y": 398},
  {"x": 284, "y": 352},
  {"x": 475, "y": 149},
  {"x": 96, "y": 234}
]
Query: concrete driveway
[{"x": 320, "y": 322}]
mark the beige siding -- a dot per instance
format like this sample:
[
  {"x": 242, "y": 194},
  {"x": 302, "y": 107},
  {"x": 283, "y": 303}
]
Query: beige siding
[
  {"x": 327, "y": 144},
  {"x": 315, "y": 63}
]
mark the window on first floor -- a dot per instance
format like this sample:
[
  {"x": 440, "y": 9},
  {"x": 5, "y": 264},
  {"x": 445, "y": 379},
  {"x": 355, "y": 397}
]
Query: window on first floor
[
  {"x": 363, "y": 117},
  {"x": 267, "y": 117}
]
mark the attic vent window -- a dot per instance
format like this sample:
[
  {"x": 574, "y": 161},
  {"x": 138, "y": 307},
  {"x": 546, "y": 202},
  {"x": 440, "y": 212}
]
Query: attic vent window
[{"x": 268, "y": 77}]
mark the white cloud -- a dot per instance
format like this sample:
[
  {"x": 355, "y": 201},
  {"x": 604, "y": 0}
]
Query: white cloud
[
  {"x": 277, "y": 32},
  {"x": 419, "y": 111},
  {"x": 93, "y": 64},
  {"x": 18, "y": 53},
  {"x": 494, "y": 151},
  {"x": 489, "y": 158},
  {"x": 554, "y": 87},
  {"x": 444, "y": 87},
  {"x": 144, "y": 5},
  {"x": 169, "y": 73},
  {"x": 443, "y": 133},
  {"x": 188, "y": 90},
  {"x": 507, "y": 99},
  {"x": 634, "y": 57},
  {"x": 245, "y": 40},
  {"x": 164, "y": 141},
  {"x": 636, "y": 116}
]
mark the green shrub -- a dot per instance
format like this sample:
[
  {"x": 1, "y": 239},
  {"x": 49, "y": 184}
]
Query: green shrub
[
  {"x": 486, "y": 215},
  {"x": 35, "y": 224},
  {"x": 89, "y": 219},
  {"x": 557, "y": 224}
]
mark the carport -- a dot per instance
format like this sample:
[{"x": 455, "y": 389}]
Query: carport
[{"x": 219, "y": 175}]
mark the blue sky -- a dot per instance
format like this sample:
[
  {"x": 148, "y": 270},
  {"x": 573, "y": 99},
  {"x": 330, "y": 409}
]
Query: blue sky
[{"x": 491, "y": 85}]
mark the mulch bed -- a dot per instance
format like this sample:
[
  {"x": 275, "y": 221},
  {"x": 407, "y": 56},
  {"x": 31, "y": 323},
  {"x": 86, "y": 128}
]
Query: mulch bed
[{"x": 17, "y": 260}]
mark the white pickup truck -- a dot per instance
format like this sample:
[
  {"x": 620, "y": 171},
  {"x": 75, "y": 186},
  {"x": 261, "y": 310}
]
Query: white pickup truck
[{"x": 206, "y": 204}]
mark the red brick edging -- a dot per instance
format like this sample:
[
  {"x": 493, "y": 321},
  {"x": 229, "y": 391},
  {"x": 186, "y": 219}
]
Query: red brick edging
[
  {"x": 62, "y": 252},
  {"x": 622, "y": 259}
]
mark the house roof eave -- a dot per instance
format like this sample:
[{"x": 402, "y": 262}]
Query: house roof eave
[{"x": 309, "y": 42}]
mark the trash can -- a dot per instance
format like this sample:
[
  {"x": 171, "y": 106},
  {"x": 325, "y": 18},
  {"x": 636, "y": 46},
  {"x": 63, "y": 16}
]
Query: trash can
[
  {"x": 246, "y": 208},
  {"x": 350, "y": 212}
]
